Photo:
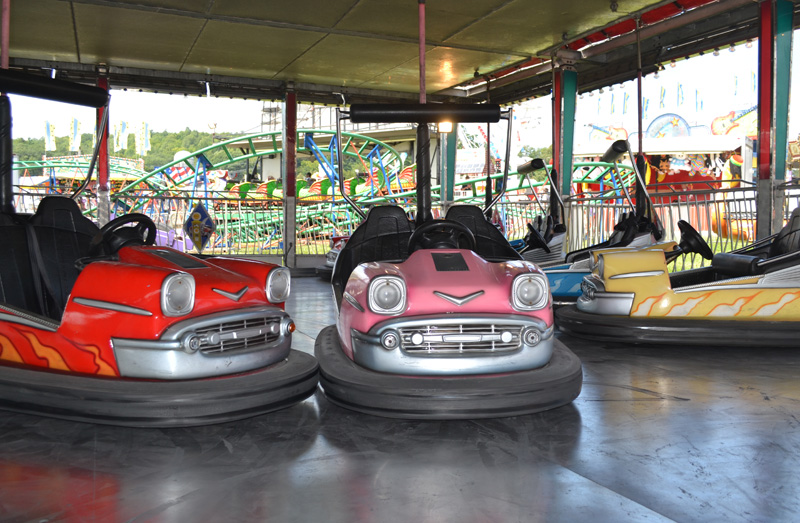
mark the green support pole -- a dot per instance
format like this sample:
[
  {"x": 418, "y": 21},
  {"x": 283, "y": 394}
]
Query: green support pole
[
  {"x": 783, "y": 68},
  {"x": 451, "y": 140},
  {"x": 569, "y": 92}
]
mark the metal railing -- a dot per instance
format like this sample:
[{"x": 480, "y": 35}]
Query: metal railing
[{"x": 253, "y": 225}]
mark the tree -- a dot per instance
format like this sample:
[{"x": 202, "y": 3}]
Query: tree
[{"x": 545, "y": 153}]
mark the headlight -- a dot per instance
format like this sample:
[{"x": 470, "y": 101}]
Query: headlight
[
  {"x": 177, "y": 294},
  {"x": 387, "y": 295},
  {"x": 529, "y": 292},
  {"x": 279, "y": 283},
  {"x": 600, "y": 266}
]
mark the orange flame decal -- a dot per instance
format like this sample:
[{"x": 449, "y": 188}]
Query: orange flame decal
[
  {"x": 743, "y": 299},
  {"x": 8, "y": 352},
  {"x": 690, "y": 302},
  {"x": 103, "y": 368},
  {"x": 651, "y": 301},
  {"x": 774, "y": 307},
  {"x": 49, "y": 354}
]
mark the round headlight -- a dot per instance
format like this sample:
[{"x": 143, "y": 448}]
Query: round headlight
[
  {"x": 279, "y": 283},
  {"x": 529, "y": 292},
  {"x": 387, "y": 295},
  {"x": 177, "y": 294}
]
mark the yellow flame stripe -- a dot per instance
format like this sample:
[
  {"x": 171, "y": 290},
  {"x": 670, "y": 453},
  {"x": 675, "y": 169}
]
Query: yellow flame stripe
[
  {"x": 8, "y": 352},
  {"x": 49, "y": 354},
  {"x": 103, "y": 368}
]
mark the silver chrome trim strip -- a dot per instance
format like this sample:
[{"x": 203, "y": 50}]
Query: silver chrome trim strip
[
  {"x": 352, "y": 301},
  {"x": 369, "y": 353},
  {"x": 235, "y": 296},
  {"x": 111, "y": 306},
  {"x": 456, "y": 300},
  {"x": 642, "y": 274},
  {"x": 166, "y": 358},
  {"x": 751, "y": 286},
  {"x": 29, "y": 320},
  {"x": 607, "y": 303}
]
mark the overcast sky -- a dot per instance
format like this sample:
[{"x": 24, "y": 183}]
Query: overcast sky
[
  {"x": 711, "y": 85},
  {"x": 163, "y": 112}
]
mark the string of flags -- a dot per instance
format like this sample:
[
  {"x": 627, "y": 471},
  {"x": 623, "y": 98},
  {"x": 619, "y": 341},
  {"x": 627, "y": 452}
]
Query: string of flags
[{"x": 118, "y": 139}]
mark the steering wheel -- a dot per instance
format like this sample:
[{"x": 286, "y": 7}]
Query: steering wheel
[
  {"x": 535, "y": 240},
  {"x": 114, "y": 235},
  {"x": 691, "y": 241},
  {"x": 441, "y": 234}
]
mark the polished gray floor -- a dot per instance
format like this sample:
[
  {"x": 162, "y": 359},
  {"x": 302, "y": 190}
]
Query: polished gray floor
[{"x": 657, "y": 434}]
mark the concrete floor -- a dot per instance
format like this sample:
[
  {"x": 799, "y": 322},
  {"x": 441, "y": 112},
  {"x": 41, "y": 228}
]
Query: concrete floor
[{"x": 685, "y": 434}]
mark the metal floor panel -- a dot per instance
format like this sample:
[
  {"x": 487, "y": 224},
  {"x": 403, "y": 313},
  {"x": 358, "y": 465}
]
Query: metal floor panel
[{"x": 685, "y": 434}]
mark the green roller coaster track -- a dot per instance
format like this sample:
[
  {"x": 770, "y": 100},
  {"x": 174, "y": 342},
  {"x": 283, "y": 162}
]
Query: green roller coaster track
[{"x": 251, "y": 217}]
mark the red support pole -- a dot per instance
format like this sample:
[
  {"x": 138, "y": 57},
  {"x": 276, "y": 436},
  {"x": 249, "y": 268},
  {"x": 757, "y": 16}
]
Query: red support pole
[
  {"x": 5, "y": 28},
  {"x": 422, "y": 88},
  {"x": 557, "y": 95},
  {"x": 102, "y": 156},
  {"x": 766, "y": 81}
]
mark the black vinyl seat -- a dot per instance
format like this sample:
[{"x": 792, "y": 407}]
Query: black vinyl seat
[
  {"x": 58, "y": 235},
  {"x": 788, "y": 239},
  {"x": 490, "y": 244},
  {"x": 382, "y": 237},
  {"x": 17, "y": 288}
]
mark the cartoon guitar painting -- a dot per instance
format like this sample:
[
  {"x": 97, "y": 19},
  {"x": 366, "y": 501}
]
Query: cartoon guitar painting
[
  {"x": 734, "y": 120},
  {"x": 607, "y": 133}
]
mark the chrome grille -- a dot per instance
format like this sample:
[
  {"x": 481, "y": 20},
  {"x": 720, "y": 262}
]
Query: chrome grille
[
  {"x": 460, "y": 338},
  {"x": 241, "y": 335}
]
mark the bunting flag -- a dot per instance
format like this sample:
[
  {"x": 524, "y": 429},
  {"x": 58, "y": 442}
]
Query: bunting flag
[
  {"x": 121, "y": 133},
  {"x": 75, "y": 135},
  {"x": 115, "y": 133},
  {"x": 680, "y": 94},
  {"x": 612, "y": 103},
  {"x": 625, "y": 99},
  {"x": 661, "y": 98},
  {"x": 645, "y": 106},
  {"x": 49, "y": 137},
  {"x": 143, "y": 139}
]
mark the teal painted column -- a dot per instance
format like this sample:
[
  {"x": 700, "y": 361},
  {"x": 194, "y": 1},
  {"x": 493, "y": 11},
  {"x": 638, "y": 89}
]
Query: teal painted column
[
  {"x": 569, "y": 93},
  {"x": 783, "y": 80},
  {"x": 448, "y": 184},
  {"x": 783, "y": 77}
]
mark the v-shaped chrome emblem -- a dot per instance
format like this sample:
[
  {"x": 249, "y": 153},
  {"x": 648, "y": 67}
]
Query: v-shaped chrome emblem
[
  {"x": 456, "y": 300},
  {"x": 235, "y": 296}
]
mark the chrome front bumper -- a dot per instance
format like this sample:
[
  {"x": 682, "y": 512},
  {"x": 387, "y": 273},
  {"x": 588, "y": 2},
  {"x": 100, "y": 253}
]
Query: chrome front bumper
[
  {"x": 595, "y": 300},
  {"x": 213, "y": 345},
  {"x": 463, "y": 345}
]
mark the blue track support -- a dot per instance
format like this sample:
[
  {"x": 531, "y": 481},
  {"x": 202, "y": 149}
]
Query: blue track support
[
  {"x": 376, "y": 154},
  {"x": 327, "y": 165}
]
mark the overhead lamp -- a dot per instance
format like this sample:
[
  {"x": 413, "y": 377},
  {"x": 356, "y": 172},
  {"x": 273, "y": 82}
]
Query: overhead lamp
[{"x": 445, "y": 127}]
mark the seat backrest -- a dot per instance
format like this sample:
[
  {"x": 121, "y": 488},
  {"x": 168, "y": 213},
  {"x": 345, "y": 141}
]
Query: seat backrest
[
  {"x": 788, "y": 239},
  {"x": 17, "y": 287},
  {"x": 63, "y": 235},
  {"x": 382, "y": 237},
  {"x": 490, "y": 244}
]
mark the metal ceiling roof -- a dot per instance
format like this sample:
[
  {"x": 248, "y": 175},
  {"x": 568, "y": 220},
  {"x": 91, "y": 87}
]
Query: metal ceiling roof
[{"x": 361, "y": 50}]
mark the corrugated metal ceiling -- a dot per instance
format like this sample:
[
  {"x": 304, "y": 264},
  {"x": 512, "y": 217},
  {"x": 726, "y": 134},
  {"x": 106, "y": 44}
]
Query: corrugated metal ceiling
[{"x": 364, "y": 49}]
